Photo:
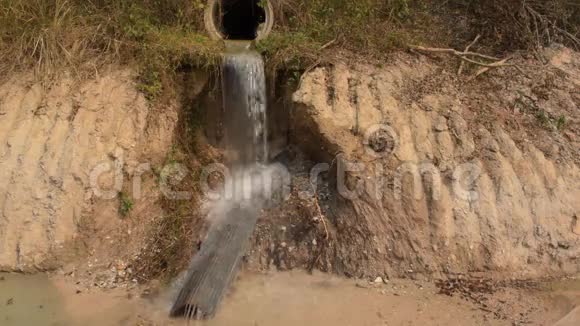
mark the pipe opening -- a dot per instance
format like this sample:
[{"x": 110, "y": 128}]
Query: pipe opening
[{"x": 241, "y": 19}]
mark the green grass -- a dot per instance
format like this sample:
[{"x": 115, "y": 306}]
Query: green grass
[
  {"x": 159, "y": 36},
  {"x": 77, "y": 35},
  {"x": 305, "y": 28},
  {"x": 561, "y": 123},
  {"x": 125, "y": 204}
]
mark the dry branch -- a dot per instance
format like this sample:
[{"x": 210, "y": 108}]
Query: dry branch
[
  {"x": 464, "y": 56},
  {"x": 453, "y": 52},
  {"x": 546, "y": 23},
  {"x": 321, "y": 216},
  {"x": 501, "y": 63},
  {"x": 466, "y": 50}
]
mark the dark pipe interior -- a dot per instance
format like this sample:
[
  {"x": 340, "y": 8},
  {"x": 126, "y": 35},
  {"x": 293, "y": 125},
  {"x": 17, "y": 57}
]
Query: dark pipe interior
[{"x": 241, "y": 18}]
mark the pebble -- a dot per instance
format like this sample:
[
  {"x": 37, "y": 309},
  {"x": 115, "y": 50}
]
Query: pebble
[
  {"x": 441, "y": 124},
  {"x": 379, "y": 280}
]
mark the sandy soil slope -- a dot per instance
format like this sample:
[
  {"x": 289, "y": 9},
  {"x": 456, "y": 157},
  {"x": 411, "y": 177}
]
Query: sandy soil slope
[
  {"x": 457, "y": 175},
  {"x": 52, "y": 138}
]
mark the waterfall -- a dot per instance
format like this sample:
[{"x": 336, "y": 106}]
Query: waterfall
[{"x": 244, "y": 99}]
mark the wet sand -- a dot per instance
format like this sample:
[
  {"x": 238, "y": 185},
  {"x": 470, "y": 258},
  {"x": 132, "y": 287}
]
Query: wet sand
[{"x": 286, "y": 299}]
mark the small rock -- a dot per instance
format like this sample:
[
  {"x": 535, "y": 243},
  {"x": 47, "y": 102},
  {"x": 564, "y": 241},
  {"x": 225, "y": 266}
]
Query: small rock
[
  {"x": 283, "y": 244},
  {"x": 314, "y": 243},
  {"x": 441, "y": 124},
  {"x": 379, "y": 280},
  {"x": 10, "y": 302}
]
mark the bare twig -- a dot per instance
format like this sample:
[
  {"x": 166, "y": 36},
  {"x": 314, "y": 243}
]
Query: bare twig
[
  {"x": 321, "y": 216},
  {"x": 546, "y": 22},
  {"x": 464, "y": 57},
  {"x": 453, "y": 52},
  {"x": 501, "y": 63},
  {"x": 329, "y": 43},
  {"x": 460, "y": 70}
]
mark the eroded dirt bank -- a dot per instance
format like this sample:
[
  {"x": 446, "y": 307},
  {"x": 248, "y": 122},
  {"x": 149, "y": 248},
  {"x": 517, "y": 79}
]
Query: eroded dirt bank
[
  {"x": 65, "y": 149},
  {"x": 409, "y": 210},
  {"x": 455, "y": 175}
]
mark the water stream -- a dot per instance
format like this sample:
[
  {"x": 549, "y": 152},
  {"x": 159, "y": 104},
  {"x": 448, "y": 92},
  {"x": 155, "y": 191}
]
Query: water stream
[
  {"x": 244, "y": 103},
  {"x": 30, "y": 300},
  {"x": 234, "y": 214}
]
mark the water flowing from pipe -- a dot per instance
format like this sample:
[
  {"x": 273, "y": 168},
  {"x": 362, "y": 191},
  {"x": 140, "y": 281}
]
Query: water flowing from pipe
[{"x": 233, "y": 217}]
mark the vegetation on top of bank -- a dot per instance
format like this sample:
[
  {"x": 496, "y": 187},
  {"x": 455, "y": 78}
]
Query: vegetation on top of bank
[
  {"x": 376, "y": 27},
  {"x": 162, "y": 35},
  {"x": 49, "y": 35}
]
